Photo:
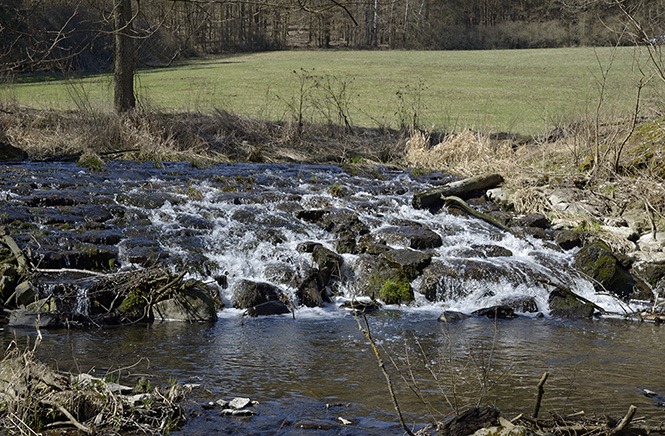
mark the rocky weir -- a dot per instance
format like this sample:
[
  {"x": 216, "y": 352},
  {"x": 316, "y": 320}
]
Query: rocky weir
[{"x": 135, "y": 242}]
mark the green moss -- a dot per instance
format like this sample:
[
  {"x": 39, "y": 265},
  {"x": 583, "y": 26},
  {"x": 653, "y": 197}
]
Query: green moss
[
  {"x": 91, "y": 161},
  {"x": 336, "y": 190},
  {"x": 396, "y": 292},
  {"x": 134, "y": 304},
  {"x": 597, "y": 261}
]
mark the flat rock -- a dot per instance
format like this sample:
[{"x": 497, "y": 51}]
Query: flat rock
[
  {"x": 416, "y": 237},
  {"x": 26, "y": 318}
]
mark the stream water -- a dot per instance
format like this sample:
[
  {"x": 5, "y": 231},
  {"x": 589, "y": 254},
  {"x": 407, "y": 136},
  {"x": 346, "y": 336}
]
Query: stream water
[{"x": 231, "y": 222}]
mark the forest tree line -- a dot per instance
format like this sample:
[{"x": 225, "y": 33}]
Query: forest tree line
[{"x": 77, "y": 34}]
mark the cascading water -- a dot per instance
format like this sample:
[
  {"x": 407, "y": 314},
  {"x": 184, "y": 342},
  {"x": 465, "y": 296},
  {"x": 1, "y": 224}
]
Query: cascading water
[
  {"x": 231, "y": 222},
  {"x": 228, "y": 223},
  {"x": 237, "y": 222}
]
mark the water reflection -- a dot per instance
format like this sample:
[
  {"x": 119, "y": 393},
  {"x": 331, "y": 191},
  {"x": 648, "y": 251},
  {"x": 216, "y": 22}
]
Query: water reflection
[{"x": 296, "y": 367}]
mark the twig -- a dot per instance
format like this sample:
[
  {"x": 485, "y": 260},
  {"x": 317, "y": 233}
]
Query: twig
[
  {"x": 68, "y": 270},
  {"x": 368, "y": 335},
  {"x": 541, "y": 391},
  {"x": 71, "y": 418}
]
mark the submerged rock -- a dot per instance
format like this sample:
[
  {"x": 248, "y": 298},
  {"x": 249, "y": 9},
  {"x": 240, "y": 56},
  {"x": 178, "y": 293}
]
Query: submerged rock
[
  {"x": 41, "y": 314},
  {"x": 451, "y": 316},
  {"x": 361, "y": 306},
  {"x": 457, "y": 278},
  {"x": 524, "y": 304},
  {"x": 496, "y": 312}
]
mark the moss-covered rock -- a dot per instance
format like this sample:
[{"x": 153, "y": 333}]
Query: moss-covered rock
[
  {"x": 598, "y": 262},
  {"x": 396, "y": 292},
  {"x": 566, "y": 305},
  {"x": 194, "y": 306},
  {"x": 377, "y": 278},
  {"x": 134, "y": 305},
  {"x": 25, "y": 293},
  {"x": 411, "y": 262}
]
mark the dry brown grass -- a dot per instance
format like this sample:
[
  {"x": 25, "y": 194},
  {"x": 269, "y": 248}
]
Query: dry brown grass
[
  {"x": 630, "y": 174},
  {"x": 466, "y": 153},
  {"x": 631, "y": 169},
  {"x": 217, "y": 136}
]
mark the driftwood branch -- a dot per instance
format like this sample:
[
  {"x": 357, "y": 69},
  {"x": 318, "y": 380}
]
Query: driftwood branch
[
  {"x": 541, "y": 391},
  {"x": 625, "y": 421},
  {"x": 452, "y": 201},
  {"x": 68, "y": 270}
]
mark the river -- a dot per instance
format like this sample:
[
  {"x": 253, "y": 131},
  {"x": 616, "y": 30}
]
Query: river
[{"x": 309, "y": 368}]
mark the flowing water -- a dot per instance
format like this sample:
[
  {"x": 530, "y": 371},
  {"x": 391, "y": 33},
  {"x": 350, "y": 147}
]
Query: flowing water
[{"x": 231, "y": 222}]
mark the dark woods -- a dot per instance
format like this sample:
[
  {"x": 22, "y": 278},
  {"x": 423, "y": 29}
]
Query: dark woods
[{"x": 39, "y": 35}]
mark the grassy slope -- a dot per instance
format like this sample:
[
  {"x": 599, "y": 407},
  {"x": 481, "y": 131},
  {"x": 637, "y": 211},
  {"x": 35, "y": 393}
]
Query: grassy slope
[{"x": 521, "y": 91}]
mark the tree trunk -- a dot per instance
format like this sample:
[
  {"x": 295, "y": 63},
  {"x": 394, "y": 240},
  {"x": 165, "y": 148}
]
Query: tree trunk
[{"x": 124, "y": 99}]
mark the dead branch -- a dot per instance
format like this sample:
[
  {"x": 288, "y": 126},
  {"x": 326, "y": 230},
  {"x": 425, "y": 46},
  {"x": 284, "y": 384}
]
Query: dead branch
[
  {"x": 368, "y": 335},
  {"x": 71, "y": 418},
  {"x": 68, "y": 270},
  {"x": 625, "y": 421},
  {"x": 541, "y": 391}
]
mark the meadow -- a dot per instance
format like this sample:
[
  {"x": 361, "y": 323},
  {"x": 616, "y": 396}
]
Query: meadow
[{"x": 520, "y": 91}]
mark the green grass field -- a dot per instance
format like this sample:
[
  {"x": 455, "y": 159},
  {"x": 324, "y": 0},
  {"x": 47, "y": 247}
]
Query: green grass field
[{"x": 519, "y": 91}]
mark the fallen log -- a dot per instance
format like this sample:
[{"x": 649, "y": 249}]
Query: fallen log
[{"x": 432, "y": 199}]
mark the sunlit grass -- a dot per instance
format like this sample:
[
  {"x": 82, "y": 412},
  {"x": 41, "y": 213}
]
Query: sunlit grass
[{"x": 519, "y": 91}]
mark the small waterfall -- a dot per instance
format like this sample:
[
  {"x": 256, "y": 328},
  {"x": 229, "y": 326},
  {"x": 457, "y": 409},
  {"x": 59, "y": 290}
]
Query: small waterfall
[
  {"x": 229, "y": 223},
  {"x": 238, "y": 223}
]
